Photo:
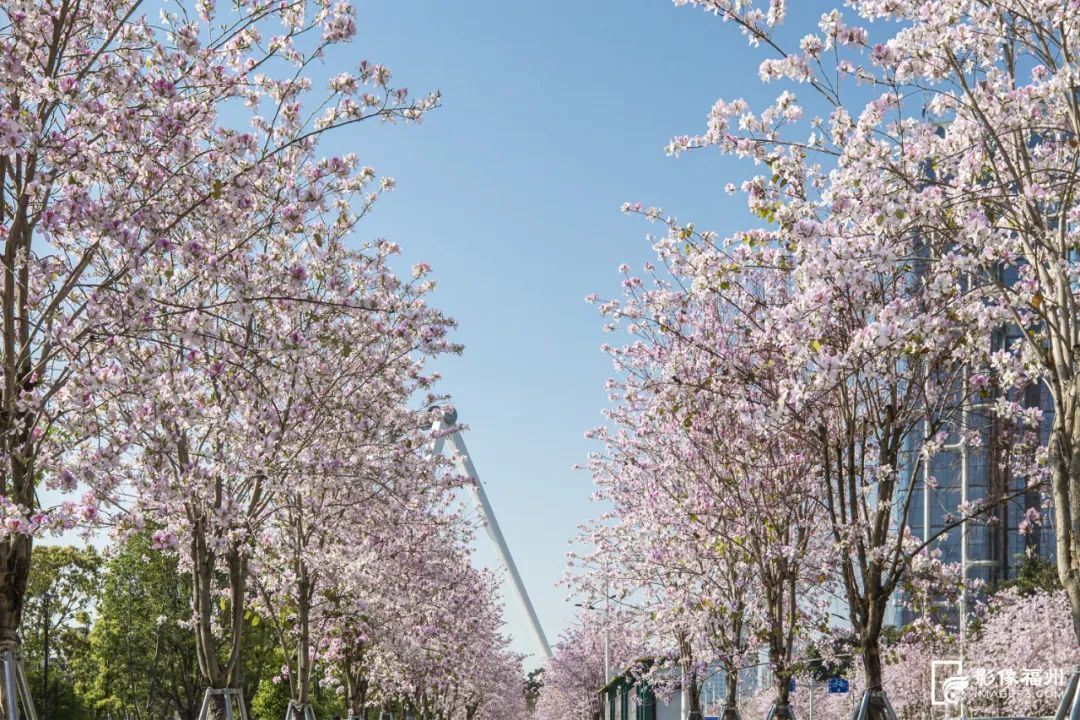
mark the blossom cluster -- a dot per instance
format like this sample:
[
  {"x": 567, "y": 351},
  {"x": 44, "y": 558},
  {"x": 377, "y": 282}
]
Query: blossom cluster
[
  {"x": 907, "y": 285},
  {"x": 197, "y": 346}
]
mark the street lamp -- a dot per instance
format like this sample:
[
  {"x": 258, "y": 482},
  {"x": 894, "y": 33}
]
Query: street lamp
[
  {"x": 607, "y": 645},
  {"x": 45, "y": 665}
]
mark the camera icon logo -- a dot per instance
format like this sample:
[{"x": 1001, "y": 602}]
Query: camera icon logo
[{"x": 947, "y": 682}]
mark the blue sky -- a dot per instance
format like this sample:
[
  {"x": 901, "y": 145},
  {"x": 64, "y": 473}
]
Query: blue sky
[{"x": 554, "y": 114}]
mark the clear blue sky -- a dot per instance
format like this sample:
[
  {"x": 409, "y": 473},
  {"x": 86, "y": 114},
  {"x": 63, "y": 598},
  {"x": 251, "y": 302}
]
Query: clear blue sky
[{"x": 555, "y": 112}]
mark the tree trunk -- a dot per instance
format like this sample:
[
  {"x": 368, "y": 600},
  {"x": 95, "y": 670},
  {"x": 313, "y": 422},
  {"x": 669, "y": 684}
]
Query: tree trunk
[
  {"x": 217, "y": 707},
  {"x": 356, "y": 686},
  {"x": 695, "y": 697},
  {"x": 16, "y": 548},
  {"x": 218, "y": 675},
  {"x": 783, "y": 698},
  {"x": 1064, "y": 457},
  {"x": 877, "y": 708},
  {"x": 304, "y": 589},
  {"x": 870, "y": 640},
  {"x": 779, "y": 653},
  {"x": 15, "y": 570},
  {"x": 303, "y": 649},
  {"x": 1063, "y": 451},
  {"x": 731, "y": 694},
  {"x": 871, "y": 656},
  {"x": 689, "y": 674}
]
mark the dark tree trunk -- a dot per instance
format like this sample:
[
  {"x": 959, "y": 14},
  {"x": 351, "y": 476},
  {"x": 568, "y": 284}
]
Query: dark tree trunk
[
  {"x": 356, "y": 686},
  {"x": 731, "y": 694},
  {"x": 15, "y": 551},
  {"x": 690, "y": 678},
  {"x": 1064, "y": 457},
  {"x": 218, "y": 675},
  {"x": 303, "y": 649},
  {"x": 870, "y": 641},
  {"x": 871, "y": 657},
  {"x": 782, "y": 704}
]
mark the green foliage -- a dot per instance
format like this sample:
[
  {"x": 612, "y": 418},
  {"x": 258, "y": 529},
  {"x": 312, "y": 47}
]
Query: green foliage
[
  {"x": 64, "y": 698},
  {"x": 1033, "y": 574},
  {"x": 142, "y": 654},
  {"x": 261, "y": 659},
  {"x": 328, "y": 703},
  {"x": 534, "y": 683},
  {"x": 892, "y": 635},
  {"x": 271, "y": 700},
  {"x": 120, "y": 643},
  {"x": 71, "y": 576}
]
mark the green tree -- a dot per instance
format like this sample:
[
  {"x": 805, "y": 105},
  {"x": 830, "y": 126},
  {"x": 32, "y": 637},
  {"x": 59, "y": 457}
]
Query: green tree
[
  {"x": 270, "y": 700},
  {"x": 141, "y": 648},
  {"x": 1034, "y": 574},
  {"x": 71, "y": 577},
  {"x": 534, "y": 683},
  {"x": 262, "y": 660}
]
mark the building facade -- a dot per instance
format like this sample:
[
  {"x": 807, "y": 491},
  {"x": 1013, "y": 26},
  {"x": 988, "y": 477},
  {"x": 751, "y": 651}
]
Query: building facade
[
  {"x": 973, "y": 468},
  {"x": 627, "y": 697}
]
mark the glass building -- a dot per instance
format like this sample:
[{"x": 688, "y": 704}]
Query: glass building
[{"x": 990, "y": 549}]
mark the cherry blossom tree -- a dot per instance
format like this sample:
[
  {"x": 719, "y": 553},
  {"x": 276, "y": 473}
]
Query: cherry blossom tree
[
  {"x": 328, "y": 515},
  {"x": 409, "y": 623},
  {"x": 574, "y": 675},
  {"x": 1020, "y": 635},
  {"x": 852, "y": 331},
  {"x": 347, "y": 452},
  {"x": 677, "y": 599},
  {"x": 453, "y": 650},
  {"x": 158, "y": 245},
  {"x": 316, "y": 531},
  {"x": 1018, "y": 659},
  {"x": 442, "y": 656},
  {"x": 496, "y": 690},
  {"x": 118, "y": 167},
  {"x": 965, "y": 142},
  {"x": 701, "y": 446},
  {"x": 891, "y": 307},
  {"x": 231, "y": 415},
  {"x": 654, "y": 553}
]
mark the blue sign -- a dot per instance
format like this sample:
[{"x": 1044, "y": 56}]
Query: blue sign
[
  {"x": 838, "y": 685},
  {"x": 711, "y": 717},
  {"x": 791, "y": 685}
]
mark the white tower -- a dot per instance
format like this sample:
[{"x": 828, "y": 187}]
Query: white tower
[{"x": 464, "y": 464}]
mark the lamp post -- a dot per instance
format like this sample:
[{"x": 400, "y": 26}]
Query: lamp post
[
  {"x": 45, "y": 664},
  {"x": 607, "y": 645}
]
